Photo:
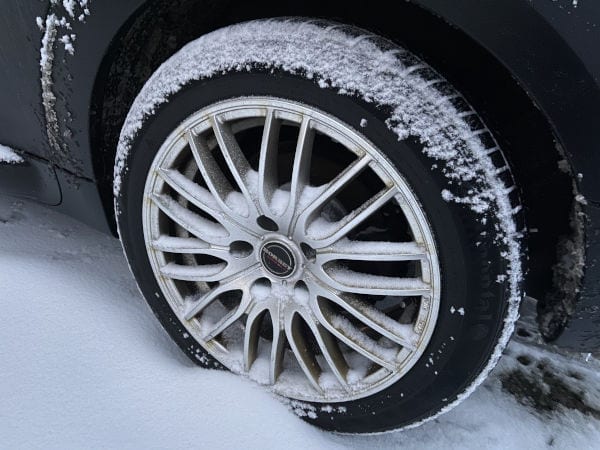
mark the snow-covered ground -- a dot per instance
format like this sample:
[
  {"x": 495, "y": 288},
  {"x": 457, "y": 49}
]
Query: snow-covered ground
[{"x": 86, "y": 365}]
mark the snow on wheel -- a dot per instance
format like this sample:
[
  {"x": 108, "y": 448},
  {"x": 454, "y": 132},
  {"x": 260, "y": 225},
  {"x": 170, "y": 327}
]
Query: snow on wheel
[{"x": 314, "y": 208}]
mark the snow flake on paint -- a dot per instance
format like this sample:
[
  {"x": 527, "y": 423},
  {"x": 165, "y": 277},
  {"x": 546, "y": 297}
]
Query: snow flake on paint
[
  {"x": 67, "y": 41},
  {"x": 580, "y": 199},
  {"x": 460, "y": 310},
  {"x": 73, "y": 9}
]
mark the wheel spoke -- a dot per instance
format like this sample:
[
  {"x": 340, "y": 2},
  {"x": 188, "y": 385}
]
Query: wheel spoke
[
  {"x": 301, "y": 168},
  {"x": 192, "y": 192},
  {"x": 182, "y": 245},
  {"x": 305, "y": 357},
  {"x": 170, "y": 244},
  {"x": 230, "y": 318},
  {"x": 208, "y": 231},
  {"x": 356, "y": 339},
  {"x": 310, "y": 211},
  {"x": 252, "y": 335},
  {"x": 204, "y": 272},
  {"x": 237, "y": 283},
  {"x": 402, "y": 334},
  {"x": 330, "y": 351},
  {"x": 361, "y": 343},
  {"x": 360, "y": 283},
  {"x": 371, "y": 251},
  {"x": 267, "y": 165},
  {"x": 277, "y": 352},
  {"x": 202, "y": 199},
  {"x": 326, "y": 233},
  {"x": 214, "y": 178},
  {"x": 200, "y": 272},
  {"x": 236, "y": 161}
]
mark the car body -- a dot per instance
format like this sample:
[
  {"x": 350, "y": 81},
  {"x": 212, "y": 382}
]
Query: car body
[{"x": 531, "y": 68}]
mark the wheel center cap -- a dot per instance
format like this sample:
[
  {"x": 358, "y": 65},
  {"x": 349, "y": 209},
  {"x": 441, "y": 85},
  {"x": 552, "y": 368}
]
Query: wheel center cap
[{"x": 278, "y": 259}]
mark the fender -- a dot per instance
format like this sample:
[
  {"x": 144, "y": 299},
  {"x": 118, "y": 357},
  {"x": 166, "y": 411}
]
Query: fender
[{"x": 558, "y": 65}]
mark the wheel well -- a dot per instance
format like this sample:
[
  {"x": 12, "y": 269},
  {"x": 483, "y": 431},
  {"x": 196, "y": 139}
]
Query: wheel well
[{"x": 161, "y": 27}]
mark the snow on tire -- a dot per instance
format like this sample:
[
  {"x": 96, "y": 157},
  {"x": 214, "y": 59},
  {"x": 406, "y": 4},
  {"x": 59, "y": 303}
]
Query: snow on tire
[{"x": 313, "y": 207}]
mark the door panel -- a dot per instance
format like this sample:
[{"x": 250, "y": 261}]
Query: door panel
[{"x": 22, "y": 123}]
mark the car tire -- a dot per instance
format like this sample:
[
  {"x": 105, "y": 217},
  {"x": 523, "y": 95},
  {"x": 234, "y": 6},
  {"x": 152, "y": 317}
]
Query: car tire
[{"x": 195, "y": 141}]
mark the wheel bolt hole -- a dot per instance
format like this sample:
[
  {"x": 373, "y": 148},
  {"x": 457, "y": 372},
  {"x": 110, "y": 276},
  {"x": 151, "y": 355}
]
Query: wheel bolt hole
[
  {"x": 309, "y": 252},
  {"x": 267, "y": 224},
  {"x": 240, "y": 249}
]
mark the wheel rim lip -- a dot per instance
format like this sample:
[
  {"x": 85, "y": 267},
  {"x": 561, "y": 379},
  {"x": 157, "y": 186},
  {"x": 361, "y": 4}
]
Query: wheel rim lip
[{"x": 354, "y": 141}]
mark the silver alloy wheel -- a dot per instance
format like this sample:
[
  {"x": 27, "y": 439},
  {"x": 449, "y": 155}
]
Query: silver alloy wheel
[{"x": 269, "y": 274}]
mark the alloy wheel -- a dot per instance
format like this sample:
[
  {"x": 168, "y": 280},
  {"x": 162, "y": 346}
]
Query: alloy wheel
[{"x": 292, "y": 249}]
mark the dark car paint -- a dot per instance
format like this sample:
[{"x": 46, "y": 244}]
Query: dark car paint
[
  {"x": 549, "y": 46},
  {"x": 22, "y": 123},
  {"x": 558, "y": 62}
]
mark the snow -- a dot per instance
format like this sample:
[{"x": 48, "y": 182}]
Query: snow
[
  {"x": 354, "y": 65},
  {"x": 180, "y": 272},
  {"x": 69, "y": 5},
  {"x": 366, "y": 281},
  {"x": 67, "y": 41},
  {"x": 198, "y": 192},
  {"x": 356, "y": 335},
  {"x": 460, "y": 310},
  {"x": 238, "y": 204},
  {"x": 564, "y": 166},
  {"x": 179, "y": 244},
  {"x": 46, "y": 66},
  {"x": 379, "y": 247},
  {"x": 88, "y": 366},
  {"x": 50, "y": 27},
  {"x": 367, "y": 313},
  {"x": 8, "y": 155},
  {"x": 203, "y": 228},
  {"x": 73, "y": 8},
  {"x": 53, "y": 22}
]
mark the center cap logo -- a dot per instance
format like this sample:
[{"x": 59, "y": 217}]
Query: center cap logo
[{"x": 278, "y": 259}]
